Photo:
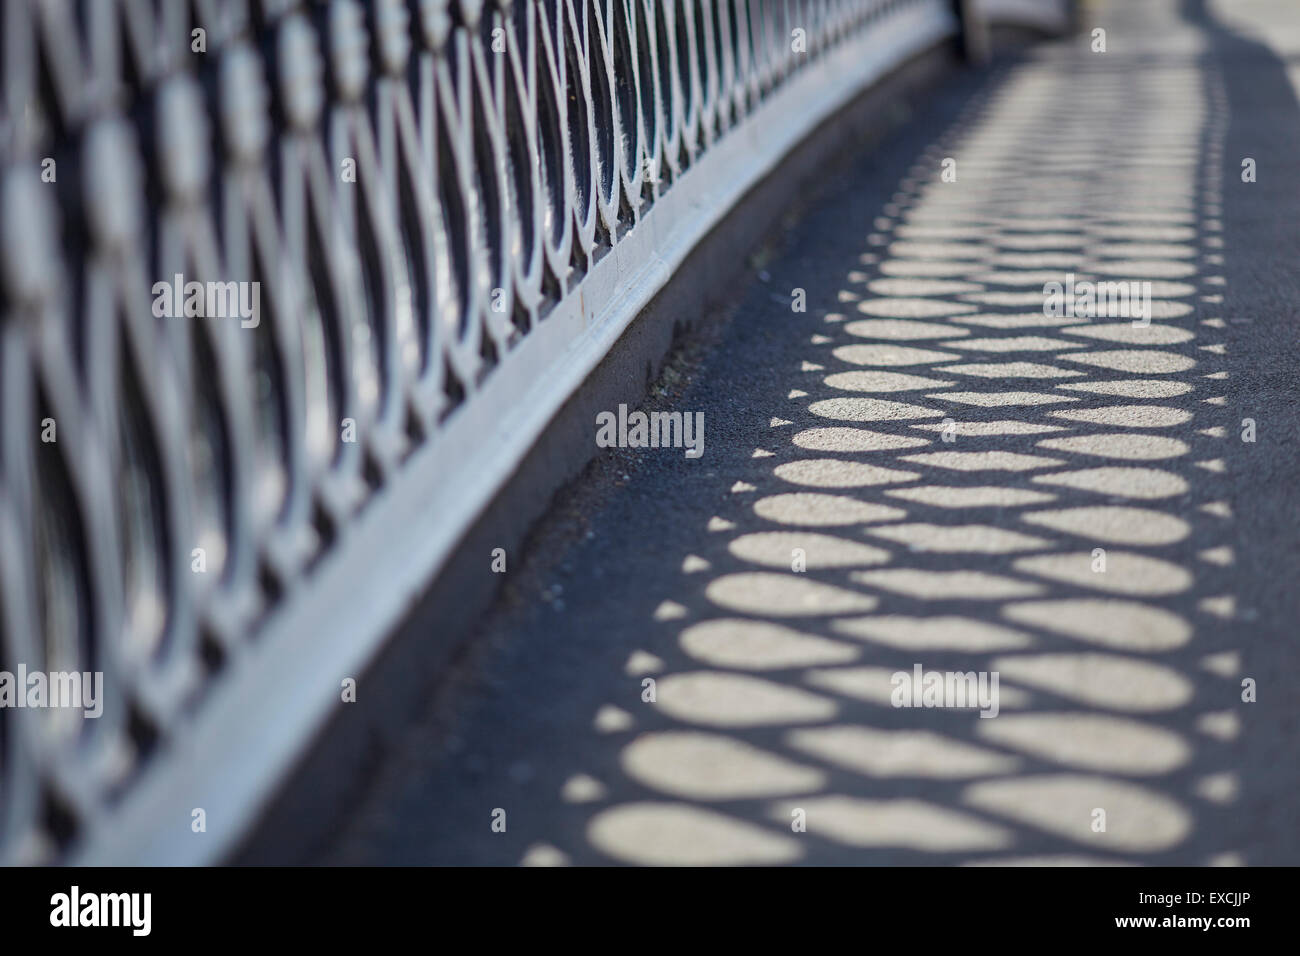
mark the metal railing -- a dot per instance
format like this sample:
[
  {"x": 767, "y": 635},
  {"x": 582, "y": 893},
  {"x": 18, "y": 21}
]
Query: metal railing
[{"x": 287, "y": 290}]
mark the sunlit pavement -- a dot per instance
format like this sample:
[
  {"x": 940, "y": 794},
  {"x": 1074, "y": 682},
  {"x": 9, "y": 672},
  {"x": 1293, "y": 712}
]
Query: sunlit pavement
[{"x": 924, "y": 468}]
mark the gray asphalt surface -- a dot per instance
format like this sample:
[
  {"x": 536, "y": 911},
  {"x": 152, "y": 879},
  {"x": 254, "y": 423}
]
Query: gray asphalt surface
[{"x": 827, "y": 436}]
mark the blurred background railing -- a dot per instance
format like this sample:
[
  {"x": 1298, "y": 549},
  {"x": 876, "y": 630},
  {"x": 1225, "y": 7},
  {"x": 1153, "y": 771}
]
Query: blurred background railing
[{"x": 287, "y": 290}]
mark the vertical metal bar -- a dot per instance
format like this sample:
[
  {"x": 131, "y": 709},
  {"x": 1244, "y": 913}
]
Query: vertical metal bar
[{"x": 975, "y": 41}]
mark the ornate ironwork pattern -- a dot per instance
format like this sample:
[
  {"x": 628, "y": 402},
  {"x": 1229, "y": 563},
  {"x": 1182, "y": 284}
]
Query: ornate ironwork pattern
[{"x": 380, "y": 202}]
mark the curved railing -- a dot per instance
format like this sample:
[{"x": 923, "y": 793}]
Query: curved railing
[{"x": 287, "y": 290}]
